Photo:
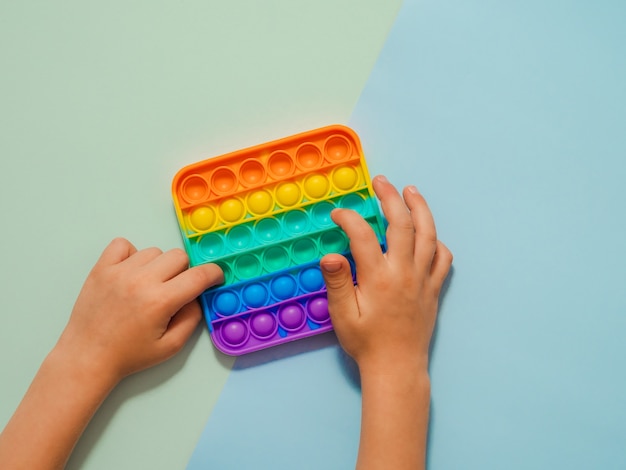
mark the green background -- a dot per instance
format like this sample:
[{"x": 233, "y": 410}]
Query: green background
[{"x": 100, "y": 105}]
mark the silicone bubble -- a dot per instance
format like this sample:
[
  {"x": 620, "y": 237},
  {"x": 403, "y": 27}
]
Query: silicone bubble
[
  {"x": 303, "y": 251},
  {"x": 291, "y": 316},
  {"x": 280, "y": 165},
  {"x": 317, "y": 309},
  {"x": 226, "y": 303},
  {"x": 320, "y": 214},
  {"x": 267, "y": 230},
  {"x": 316, "y": 186},
  {"x": 260, "y": 202},
  {"x": 308, "y": 157},
  {"x": 252, "y": 172},
  {"x": 247, "y": 266},
  {"x": 211, "y": 246},
  {"x": 283, "y": 287},
  {"x": 194, "y": 188},
  {"x": 239, "y": 237},
  {"x": 255, "y": 295},
  {"x": 311, "y": 279},
  {"x": 234, "y": 333},
  {"x": 288, "y": 194},
  {"x": 202, "y": 218},
  {"x": 333, "y": 241},
  {"x": 337, "y": 148},
  {"x": 345, "y": 178},
  {"x": 354, "y": 202},
  {"x": 275, "y": 258},
  {"x": 263, "y": 325},
  {"x": 296, "y": 222},
  {"x": 231, "y": 210},
  {"x": 223, "y": 180}
]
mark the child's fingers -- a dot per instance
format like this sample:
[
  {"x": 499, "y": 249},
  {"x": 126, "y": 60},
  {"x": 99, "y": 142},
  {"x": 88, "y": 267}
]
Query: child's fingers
[
  {"x": 168, "y": 265},
  {"x": 189, "y": 284},
  {"x": 425, "y": 232},
  {"x": 117, "y": 251},
  {"x": 143, "y": 257},
  {"x": 441, "y": 265},
  {"x": 401, "y": 231},
  {"x": 340, "y": 288},
  {"x": 364, "y": 243},
  {"x": 181, "y": 326}
]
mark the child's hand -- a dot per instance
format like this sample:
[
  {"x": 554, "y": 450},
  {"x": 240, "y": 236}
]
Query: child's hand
[
  {"x": 388, "y": 319},
  {"x": 136, "y": 308}
]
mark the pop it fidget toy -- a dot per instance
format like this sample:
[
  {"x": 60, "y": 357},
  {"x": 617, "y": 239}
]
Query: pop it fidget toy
[{"x": 263, "y": 215}]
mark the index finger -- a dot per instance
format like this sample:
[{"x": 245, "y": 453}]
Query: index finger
[{"x": 188, "y": 285}]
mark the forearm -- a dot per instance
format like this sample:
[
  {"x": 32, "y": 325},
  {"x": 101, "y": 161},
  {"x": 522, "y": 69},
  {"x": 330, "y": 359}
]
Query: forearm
[
  {"x": 57, "y": 407},
  {"x": 394, "y": 422}
]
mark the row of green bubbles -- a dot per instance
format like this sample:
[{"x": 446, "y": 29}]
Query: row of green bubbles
[
  {"x": 260, "y": 202},
  {"x": 316, "y": 186},
  {"x": 255, "y": 295},
  {"x": 229, "y": 277},
  {"x": 296, "y": 222},
  {"x": 283, "y": 287},
  {"x": 231, "y": 210},
  {"x": 202, "y": 219},
  {"x": 333, "y": 241},
  {"x": 211, "y": 246},
  {"x": 275, "y": 258},
  {"x": 304, "y": 250},
  {"x": 247, "y": 266},
  {"x": 353, "y": 201},
  {"x": 288, "y": 194},
  {"x": 311, "y": 279},
  {"x": 267, "y": 230},
  {"x": 345, "y": 178},
  {"x": 226, "y": 302},
  {"x": 239, "y": 237},
  {"x": 320, "y": 213}
]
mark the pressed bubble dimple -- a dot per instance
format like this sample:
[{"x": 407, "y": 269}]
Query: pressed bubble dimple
[
  {"x": 194, "y": 188},
  {"x": 337, "y": 148},
  {"x": 211, "y": 245},
  {"x": 296, "y": 222},
  {"x": 239, "y": 237},
  {"x": 333, "y": 241},
  {"x": 354, "y": 202},
  {"x": 267, "y": 230},
  {"x": 308, "y": 156},
  {"x": 247, "y": 266},
  {"x": 304, "y": 250},
  {"x": 223, "y": 180},
  {"x": 321, "y": 214},
  {"x": 275, "y": 258},
  {"x": 280, "y": 164},
  {"x": 252, "y": 172}
]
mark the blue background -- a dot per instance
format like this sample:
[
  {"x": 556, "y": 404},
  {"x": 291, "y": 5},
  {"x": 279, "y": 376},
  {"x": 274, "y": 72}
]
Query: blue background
[{"x": 511, "y": 118}]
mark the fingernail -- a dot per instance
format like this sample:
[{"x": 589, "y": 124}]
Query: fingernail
[
  {"x": 412, "y": 189},
  {"x": 331, "y": 267},
  {"x": 382, "y": 179}
]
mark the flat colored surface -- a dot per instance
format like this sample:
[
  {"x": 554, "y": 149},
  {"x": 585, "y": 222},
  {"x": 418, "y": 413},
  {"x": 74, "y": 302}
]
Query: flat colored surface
[
  {"x": 509, "y": 116},
  {"x": 100, "y": 105}
]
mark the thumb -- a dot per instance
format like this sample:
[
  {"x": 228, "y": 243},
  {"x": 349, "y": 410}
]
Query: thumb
[{"x": 342, "y": 304}]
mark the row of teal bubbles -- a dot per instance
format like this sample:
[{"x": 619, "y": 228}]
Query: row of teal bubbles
[
  {"x": 215, "y": 245},
  {"x": 263, "y": 292},
  {"x": 279, "y": 321}
]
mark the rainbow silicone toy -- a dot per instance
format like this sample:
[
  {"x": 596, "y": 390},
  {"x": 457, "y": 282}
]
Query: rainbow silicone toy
[{"x": 263, "y": 215}]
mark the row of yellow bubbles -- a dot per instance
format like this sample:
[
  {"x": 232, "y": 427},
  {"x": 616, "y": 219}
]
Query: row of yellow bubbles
[
  {"x": 290, "y": 224},
  {"x": 290, "y": 316},
  {"x": 267, "y": 291},
  {"x": 286, "y": 195}
]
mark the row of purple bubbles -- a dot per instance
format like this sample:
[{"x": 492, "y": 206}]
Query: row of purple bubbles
[
  {"x": 264, "y": 325},
  {"x": 260, "y": 293}
]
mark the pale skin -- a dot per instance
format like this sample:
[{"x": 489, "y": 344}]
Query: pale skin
[{"x": 137, "y": 308}]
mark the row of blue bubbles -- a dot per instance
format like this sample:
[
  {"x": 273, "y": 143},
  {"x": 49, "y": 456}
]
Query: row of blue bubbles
[
  {"x": 255, "y": 295},
  {"x": 226, "y": 303},
  {"x": 283, "y": 287},
  {"x": 311, "y": 279}
]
